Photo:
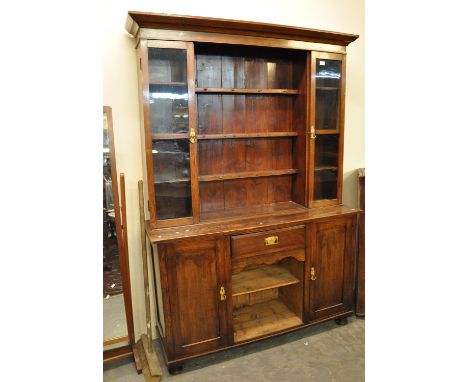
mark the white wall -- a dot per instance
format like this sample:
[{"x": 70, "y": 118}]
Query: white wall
[{"x": 121, "y": 89}]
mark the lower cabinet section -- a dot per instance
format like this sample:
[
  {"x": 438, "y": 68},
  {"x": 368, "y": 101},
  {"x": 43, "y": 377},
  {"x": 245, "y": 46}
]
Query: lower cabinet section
[{"x": 222, "y": 292}]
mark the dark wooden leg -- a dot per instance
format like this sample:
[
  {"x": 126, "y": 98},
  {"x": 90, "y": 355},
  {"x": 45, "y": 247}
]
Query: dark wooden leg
[
  {"x": 341, "y": 320},
  {"x": 176, "y": 369}
]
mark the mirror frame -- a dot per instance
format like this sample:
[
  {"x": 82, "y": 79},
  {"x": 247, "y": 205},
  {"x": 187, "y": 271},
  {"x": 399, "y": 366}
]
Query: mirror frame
[{"x": 121, "y": 229}]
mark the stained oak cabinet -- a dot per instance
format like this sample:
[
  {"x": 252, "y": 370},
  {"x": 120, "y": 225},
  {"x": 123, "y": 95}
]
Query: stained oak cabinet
[
  {"x": 243, "y": 134},
  {"x": 332, "y": 251},
  {"x": 197, "y": 301}
]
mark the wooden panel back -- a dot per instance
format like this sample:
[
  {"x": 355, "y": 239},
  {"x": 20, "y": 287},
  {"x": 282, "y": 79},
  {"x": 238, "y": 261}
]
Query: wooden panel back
[
  {"x": 225, "y": 196},
  {"x": 244, "y": 67},
  {"x": 239, "y": 113}
]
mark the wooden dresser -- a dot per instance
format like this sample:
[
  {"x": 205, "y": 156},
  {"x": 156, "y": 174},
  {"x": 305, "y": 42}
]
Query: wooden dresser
[{"x": 243, "y": 131}]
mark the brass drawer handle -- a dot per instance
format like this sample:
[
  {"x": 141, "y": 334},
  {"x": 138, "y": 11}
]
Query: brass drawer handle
[{"x": 271, "y": 240}]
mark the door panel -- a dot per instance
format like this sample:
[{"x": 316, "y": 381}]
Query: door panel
[
  {"x": 327, "y": 128},
  {"x": 168, "y": 95},
  {"x": 196, "y": 274},
  {"x": 332, "y": 263},
  {"x": 330, "y": 266}
]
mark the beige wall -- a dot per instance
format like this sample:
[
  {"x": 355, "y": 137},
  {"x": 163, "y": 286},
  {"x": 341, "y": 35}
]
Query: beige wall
[{"x": 121, "y": 89}]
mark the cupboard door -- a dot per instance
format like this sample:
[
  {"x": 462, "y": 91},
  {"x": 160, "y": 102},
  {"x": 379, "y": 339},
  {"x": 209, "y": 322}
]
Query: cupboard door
[
  {"x": 332, "y": 265},
  {"x": 169, "y": 101},
  {"x": 327, "y": 122},
  {"x": 196, "y": 276}
]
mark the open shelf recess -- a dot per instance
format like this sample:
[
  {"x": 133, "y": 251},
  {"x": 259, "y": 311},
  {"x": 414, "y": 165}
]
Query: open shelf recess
[
  {"x": 262, "y": 278},
  {"x": 262, "y": 319}
]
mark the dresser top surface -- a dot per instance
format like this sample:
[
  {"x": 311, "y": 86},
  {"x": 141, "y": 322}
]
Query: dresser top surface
[{"x": 243, "y": 224}]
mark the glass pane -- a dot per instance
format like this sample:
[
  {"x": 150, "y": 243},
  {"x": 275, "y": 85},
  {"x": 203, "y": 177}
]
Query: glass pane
[
  {"x": 114, "y": 319},
  {"x": 327, "y": 96},
  {"x": 172, "y": 187},
  {"x": 326, "y": 166},
  {"x": 168, "y": 94}
]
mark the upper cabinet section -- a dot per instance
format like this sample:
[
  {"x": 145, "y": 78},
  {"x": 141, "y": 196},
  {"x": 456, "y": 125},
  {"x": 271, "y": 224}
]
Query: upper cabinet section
[{"x": 239, "y": 118}]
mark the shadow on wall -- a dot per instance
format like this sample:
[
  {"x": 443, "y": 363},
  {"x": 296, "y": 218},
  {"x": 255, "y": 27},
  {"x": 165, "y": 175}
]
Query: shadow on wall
[{"x": 350, "y": 188}]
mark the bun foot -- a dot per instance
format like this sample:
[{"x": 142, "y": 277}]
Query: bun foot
[
  {"x": 341, "y": 321},
  {"x": 176, "y": 369}
]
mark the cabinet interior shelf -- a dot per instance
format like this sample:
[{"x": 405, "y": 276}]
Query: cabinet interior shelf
[
  {"x": 249, "y": 135},
  {"x": 176, "y": 180},
  {"x": 323, "y": 168},
  {"x": 242, "y": 175},
  {"x": 262, "y": 278},
  {"x": 169, "y": 84},
  {"x": 162, "y": 137},
  {"x": 327, "y": 88},
  {"x": 246, "y": 91},
  {"x": 263, "y": 318}
]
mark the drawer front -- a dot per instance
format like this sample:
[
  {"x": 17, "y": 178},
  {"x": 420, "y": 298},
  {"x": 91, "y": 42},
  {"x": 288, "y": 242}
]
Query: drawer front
[{"x": 268, "y": 242}]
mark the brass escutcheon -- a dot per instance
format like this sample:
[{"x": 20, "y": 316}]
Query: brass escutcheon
[{"x": 271, "y": 240}]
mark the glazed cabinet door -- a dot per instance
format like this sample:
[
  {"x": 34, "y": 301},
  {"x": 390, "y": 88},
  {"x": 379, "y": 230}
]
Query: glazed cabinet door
[
  {"x": 327, "y": 127},
  {"x": 197, "y": 295},
  {"x": 167, "y": 73},
  {"x": 332, "y": 266}
]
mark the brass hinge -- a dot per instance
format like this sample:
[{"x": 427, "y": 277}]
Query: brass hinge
[
  {"x": 222, "y": 294},
  {"x": 312, "y": 132},
  {"x": 313, "y": 277},
  {"x": 193, "y": 136}
]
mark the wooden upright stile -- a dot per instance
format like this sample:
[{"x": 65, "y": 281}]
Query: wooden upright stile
[{"x": 149, "y": 361}]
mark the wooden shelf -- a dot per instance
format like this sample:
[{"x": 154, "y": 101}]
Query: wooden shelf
[
  {"x": 249, "y": 135},
  {"x": 324, "y": 132},
  {"x": 242, "y": 175},
  {"x": 161, "y": 137},
  {"x": 257, "y": 211},
  {"x": 169, "y": 84},
  {"x": 262, "y": 319},
  {"x": 323, "y": 168},
  {"x": 262, "y": 278},
  {"x": 327, "y": 88},
  {"x": 178, "y": 180},
  {"x": 246, "y": 91}
]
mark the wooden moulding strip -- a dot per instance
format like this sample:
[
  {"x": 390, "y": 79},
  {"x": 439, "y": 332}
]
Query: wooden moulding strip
[
  {"x": 247, "y": 91},
  {"x": 115, "y": 354},
  {"x": 275, "y": 134},
  {"x": 241, "y": 175},
  {"x": 115, "y": 340},
  {"x": 222, "y": 38}
]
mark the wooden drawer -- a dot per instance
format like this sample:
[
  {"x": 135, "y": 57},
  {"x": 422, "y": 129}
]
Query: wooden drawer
[{"x": 285, "y": 239}]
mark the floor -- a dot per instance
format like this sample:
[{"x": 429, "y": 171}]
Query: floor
[
  {"x": 114, "y": 320},
  {"x": 322, "y": 353}
]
